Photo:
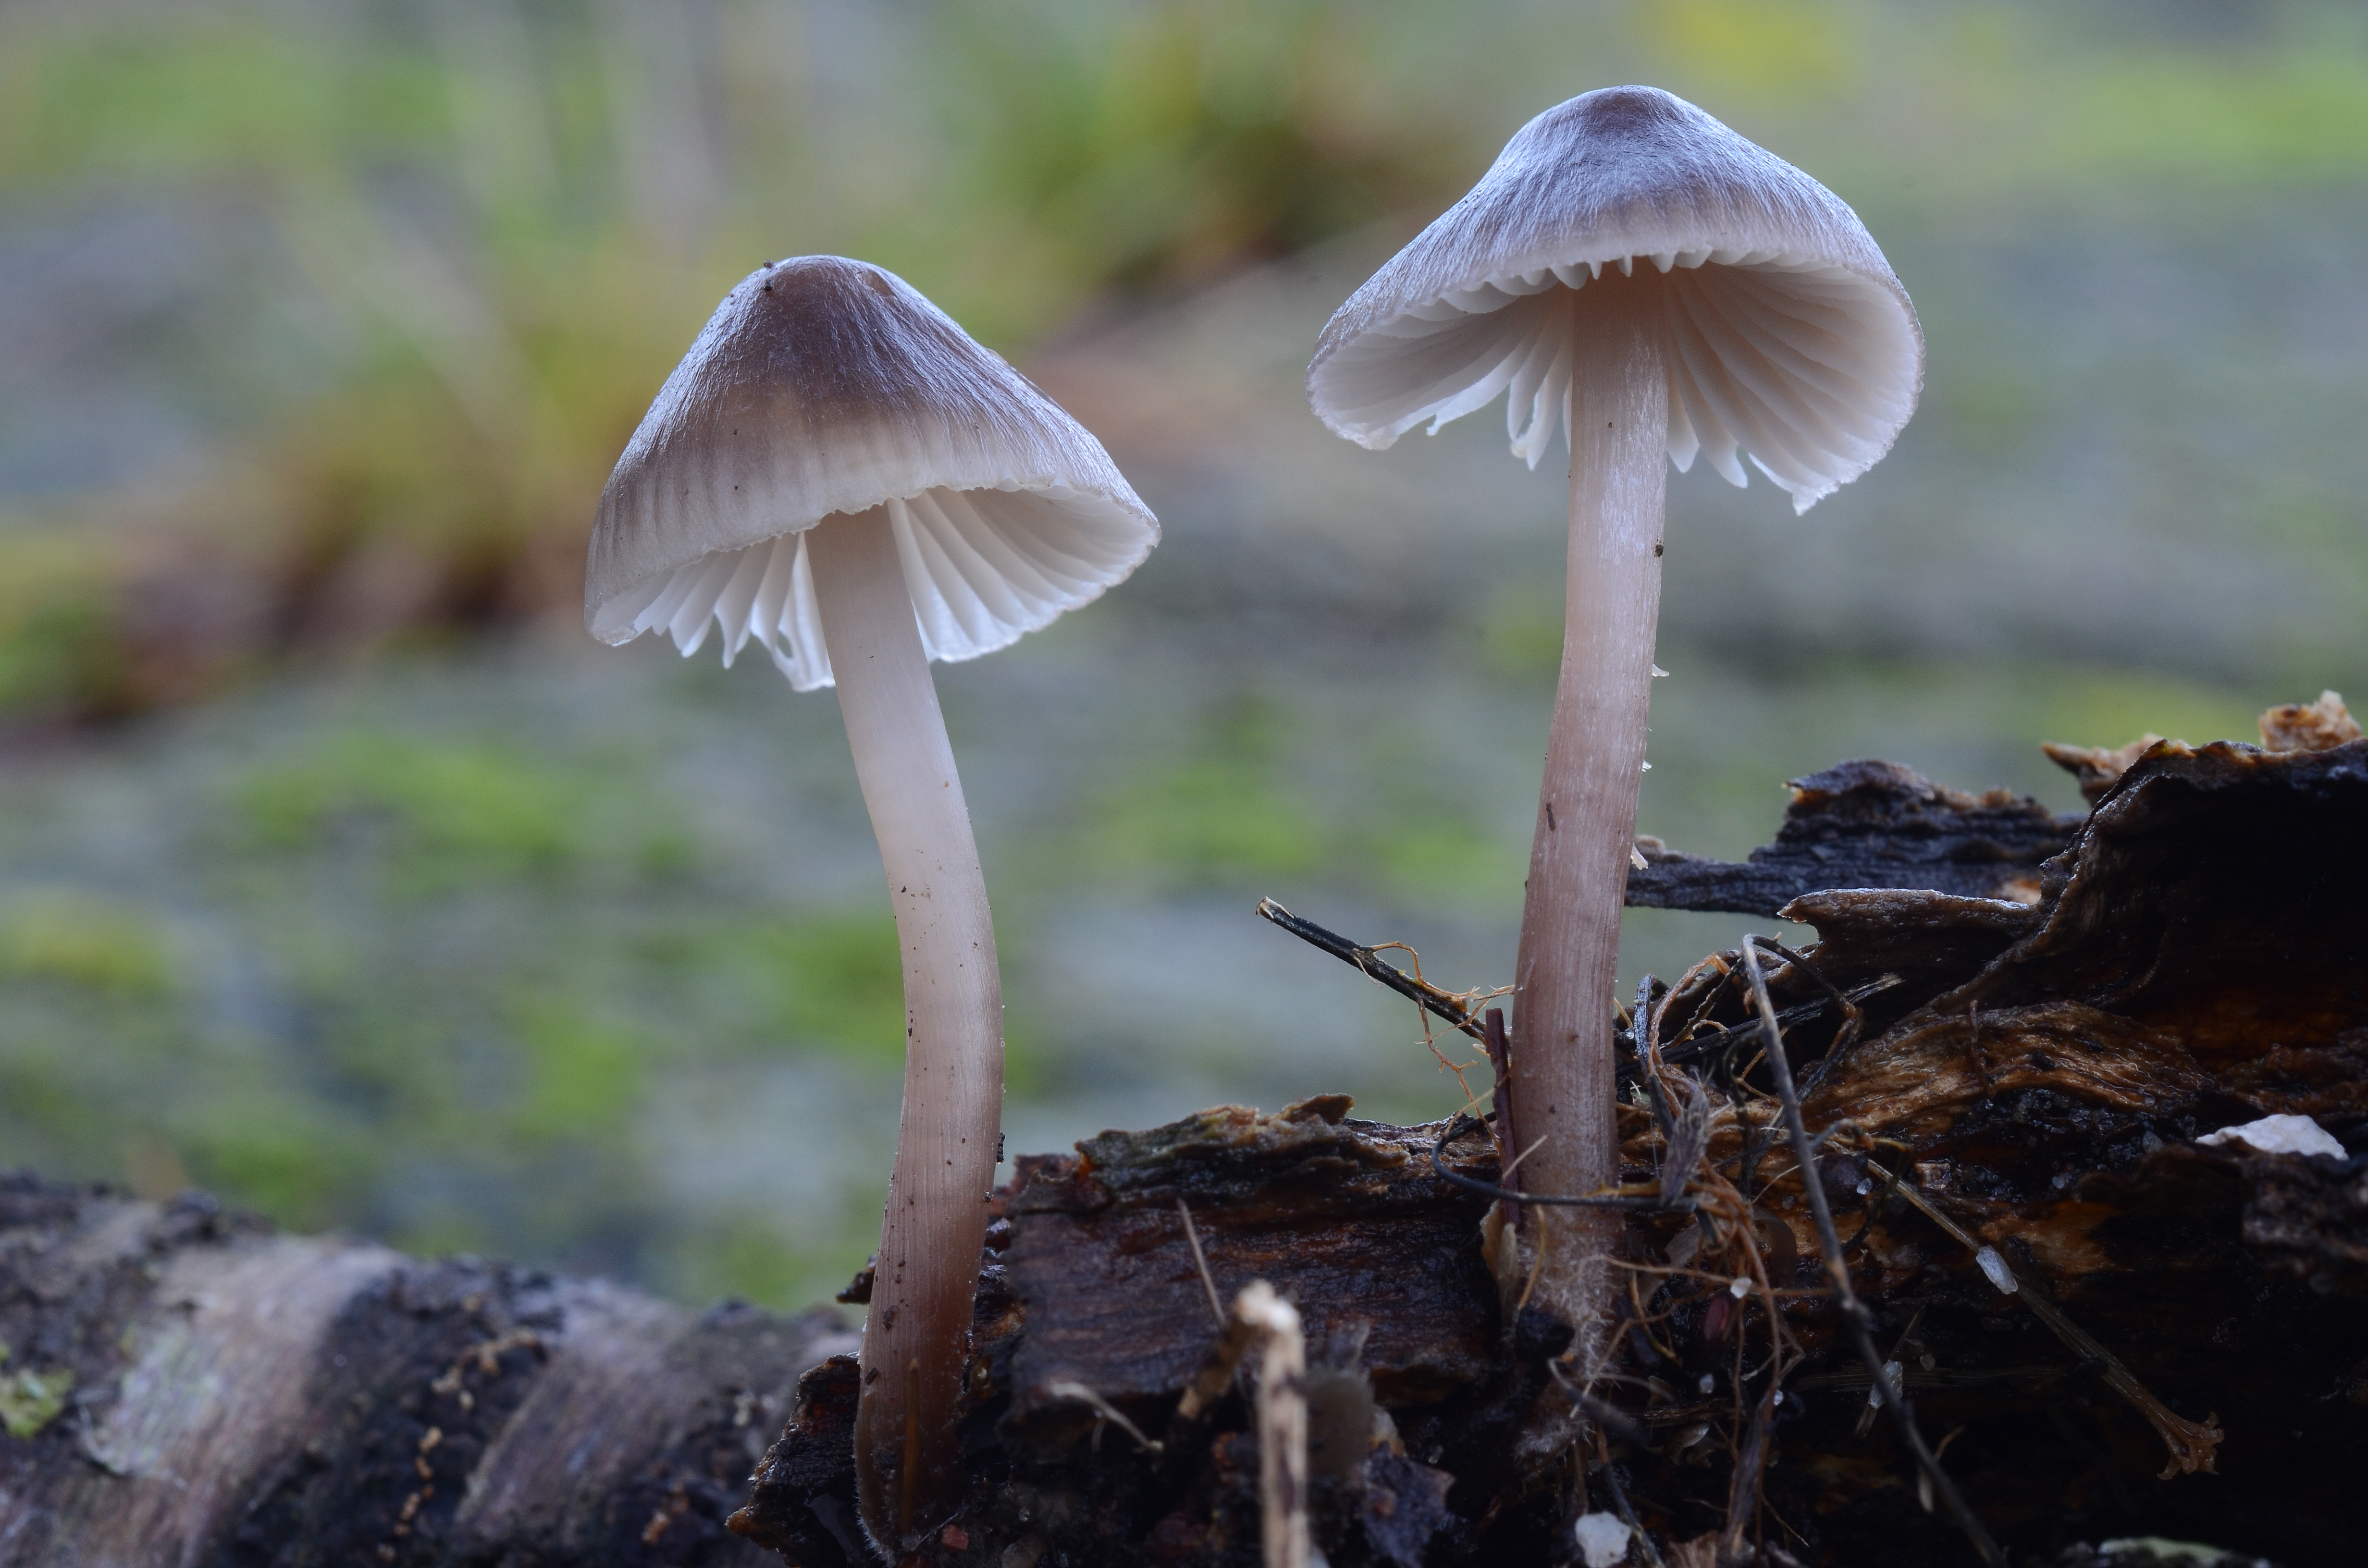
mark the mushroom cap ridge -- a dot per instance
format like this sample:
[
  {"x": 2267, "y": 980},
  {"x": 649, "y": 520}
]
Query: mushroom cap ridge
[
  {"x": 824, "y": 385},
  {"x": 1795, "y": 344}
]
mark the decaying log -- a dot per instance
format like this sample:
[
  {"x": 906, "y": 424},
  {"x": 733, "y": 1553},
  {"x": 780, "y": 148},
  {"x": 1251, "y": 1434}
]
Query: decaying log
[
  {"x": 182, "y": 1386},
  {"x": 1867, "y": 825},
  {"x": 2088, "y": 1308}
]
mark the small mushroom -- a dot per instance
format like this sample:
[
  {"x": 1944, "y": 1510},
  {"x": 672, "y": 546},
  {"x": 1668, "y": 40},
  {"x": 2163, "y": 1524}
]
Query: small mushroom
[
  {"x": 839, "y": 473},
  {"x": 1639, "y": 279}
]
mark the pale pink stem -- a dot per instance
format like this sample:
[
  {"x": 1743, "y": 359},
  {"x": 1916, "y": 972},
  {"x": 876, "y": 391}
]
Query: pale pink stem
[
  {"x": 1566, "y": 969},
  {"x": 917, "y": 1336}
]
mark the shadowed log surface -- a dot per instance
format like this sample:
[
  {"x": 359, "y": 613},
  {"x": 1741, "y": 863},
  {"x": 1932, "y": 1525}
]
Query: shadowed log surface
[
  {"x": 182, "y": 1386},
  {"x": 2035, "y": 1077},
  {"x": 1867, "y": 825},
  {"x": 1344, "y": 1217},
  {"x": 1094, "y": 1287}
]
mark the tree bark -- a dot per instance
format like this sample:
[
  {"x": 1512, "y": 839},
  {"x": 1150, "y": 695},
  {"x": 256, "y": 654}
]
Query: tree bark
[
  {"x": 182, "y": 1386},
  {"x": 1867, "y": 825}
]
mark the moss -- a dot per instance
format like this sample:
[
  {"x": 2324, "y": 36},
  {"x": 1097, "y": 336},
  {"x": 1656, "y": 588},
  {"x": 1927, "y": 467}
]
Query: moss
[
  {"x": 59, "y": 651},
  {"x": 203, "y": 93},
  {"x": 832, "y": 981},
  {"x": 90, "y": 943},
  {"x": 749, "y": 1259},
  {"x": 2110, "y": 707},
  {"x": 31, "y": 1399},
  {"x": 1444, "y": 861},
  {"x": 1520, "y": 632},
  {"x": 435, "y": 815},
  {"x": 583, "y": 1077},
  {"x": 1221, "y": 814},
  {"x": 1764, "y": 51},
  {"x": 482, "y": 805},
  {"x": 290, "y": 1159}
]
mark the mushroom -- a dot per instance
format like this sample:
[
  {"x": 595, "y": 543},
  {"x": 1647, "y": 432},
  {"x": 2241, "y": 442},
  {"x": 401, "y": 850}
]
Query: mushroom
[
  {"x": 1642, "y": 279},
  {"x": 838, "y": 472}
]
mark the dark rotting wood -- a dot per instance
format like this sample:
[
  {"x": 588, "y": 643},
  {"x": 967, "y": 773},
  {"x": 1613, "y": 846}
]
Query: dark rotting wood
[
  {"x": 2207, "y": 889},
  {"x": 1856, "y": 1319},
  {"x": 1867, "y": 825},
  {"x": 1344, "y": 1217}
]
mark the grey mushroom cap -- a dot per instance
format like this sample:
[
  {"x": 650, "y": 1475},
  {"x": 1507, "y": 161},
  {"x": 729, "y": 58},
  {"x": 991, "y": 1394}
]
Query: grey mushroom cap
[
  {"x": 1790, "y": 339},
  {"x": 823, "y": 385}
]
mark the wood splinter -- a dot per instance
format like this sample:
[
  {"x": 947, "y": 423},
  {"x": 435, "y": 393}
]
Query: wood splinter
[
  {"x": 1264, "y": 1319},
  {"x": 1281, "y": 1423}
]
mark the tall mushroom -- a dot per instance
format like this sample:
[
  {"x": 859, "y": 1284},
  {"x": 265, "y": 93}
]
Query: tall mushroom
[
  {"x": 838, "y": 472},
  {"x": 1644, "y": 280}
]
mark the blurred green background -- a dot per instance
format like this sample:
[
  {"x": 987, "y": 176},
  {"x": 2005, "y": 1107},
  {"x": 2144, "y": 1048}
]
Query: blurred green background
[{"x": 341, "y": 874}]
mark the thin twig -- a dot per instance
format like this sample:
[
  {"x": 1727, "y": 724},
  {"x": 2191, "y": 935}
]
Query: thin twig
[
  {"x": 1748, "y": 1161},
  {"x": 1515, "y": 1162},
  {"x": 1709, "y": 998},
  {"x": 1687, "y": 1050},
  {"x": 1609, "y": 1417},
  {"x": 1891, "y": 1363},
  {"x": 1689, "y": 1140},
  {"x": 1216, "y": 1374},
  {"x": 1641, "y": 1042},
  {"x": 1103, "y": 1411},
  {"x": 1462, "y": 1124},
  {"x": 1500, "y": 1096},
  {"x": 1743, "y": 1483},
  {"x": 1541, "y": 1247},
  {"x": 1445, "y": 1004},
  {"x": 1685, "y": 1130},
  {"x": 1628, "y": 1515},
  {"x": 1853, "y": 1019},
  {"x": 2194, "y": 1445},
  {"x": 1200, "y": 1261},
  {"x": 1829, "y": 1243}
]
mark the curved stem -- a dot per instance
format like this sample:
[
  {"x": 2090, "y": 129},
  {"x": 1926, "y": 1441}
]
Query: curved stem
[
  {"x": 1560, "y": 1076},
  {"x": 917, "y": 1336}
]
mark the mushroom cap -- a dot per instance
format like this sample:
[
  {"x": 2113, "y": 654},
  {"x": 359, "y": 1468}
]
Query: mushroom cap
[
  {"x": 1788, "y": 335},
  {"x": 824, "y": 385}
]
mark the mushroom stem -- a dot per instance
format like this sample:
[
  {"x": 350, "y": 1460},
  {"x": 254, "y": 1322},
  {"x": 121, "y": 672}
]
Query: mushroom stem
[
  {"x": 917, "y": 1336},
  {"x": 1565, "y": 970}
]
